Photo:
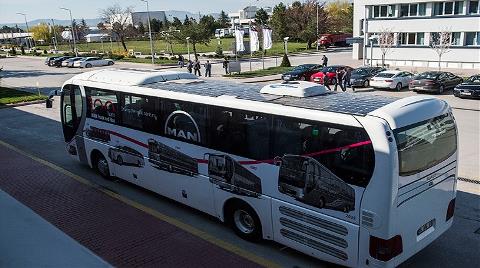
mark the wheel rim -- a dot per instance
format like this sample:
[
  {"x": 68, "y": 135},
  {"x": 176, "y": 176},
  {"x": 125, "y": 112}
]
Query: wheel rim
[
  {"x": 120, "y": 160},
  {"x": 399, "y": 87},
  {"x": 244, "y": 221},
  {"x": 102, "y": 166},
  {"x": 366, "y": 83}
]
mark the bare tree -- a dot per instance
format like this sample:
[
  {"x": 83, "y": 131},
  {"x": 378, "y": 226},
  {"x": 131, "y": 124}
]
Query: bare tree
[
  {"x": 440, "y": 43},
  {"x": 119, "y": 19},
  {"x": 386, "y": 40}
]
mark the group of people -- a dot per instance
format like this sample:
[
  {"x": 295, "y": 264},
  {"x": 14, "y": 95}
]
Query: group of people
[
  {"x": 196, "y": 67},
  {"x": 342, "y": 77}
]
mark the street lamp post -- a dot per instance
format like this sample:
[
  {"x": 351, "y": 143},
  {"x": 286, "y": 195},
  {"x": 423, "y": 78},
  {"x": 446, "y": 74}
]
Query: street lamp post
[
  {"x": 316, "y": 41},
  {"x": 150, "y": 32},
  {"x": 28, "y": 30},
  {"x": 72, "y": 31},
  {"x": 188, "y": 47}
]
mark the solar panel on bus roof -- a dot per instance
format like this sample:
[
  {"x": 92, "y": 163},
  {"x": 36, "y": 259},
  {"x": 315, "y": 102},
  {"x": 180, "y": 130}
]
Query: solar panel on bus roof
[{"x": 357, "y": 104}]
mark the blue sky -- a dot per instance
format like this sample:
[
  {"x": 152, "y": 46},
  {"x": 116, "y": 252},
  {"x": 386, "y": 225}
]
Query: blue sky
[{"x": 46, "y": 9}]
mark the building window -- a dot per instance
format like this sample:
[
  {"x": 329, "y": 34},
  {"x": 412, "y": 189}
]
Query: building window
[
  {"x": 383, "y": 11},
  {"x": 456, "y": 39},
  {"x": 438, "y": 9},
  {"x": 448, "y": 10},
  {"x": 472, "y": 38},
  {"x": 458, "y": 7},
  {"x": 412, "y": 10},
  {"x": 412, "y": 39},
  {"x": 420, "y": 39},
  {"x": 473, "y": 8}
]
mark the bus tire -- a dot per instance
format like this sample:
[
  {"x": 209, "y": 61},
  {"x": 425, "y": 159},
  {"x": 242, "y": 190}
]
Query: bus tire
[
  {"x": 321, "y": 203},
  {"x": 243, "y": 220},
  {"x": 100, "y": 163}
]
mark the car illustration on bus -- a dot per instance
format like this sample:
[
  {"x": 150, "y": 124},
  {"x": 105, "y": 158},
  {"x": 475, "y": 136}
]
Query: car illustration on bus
[
  {"x": 126, "y": 156},
  {"x": 166, "y": 158},
  {"x": 98, "y": 134},
  {"x": 232, "y": 176},
  {"x": 310, "y": 182}
]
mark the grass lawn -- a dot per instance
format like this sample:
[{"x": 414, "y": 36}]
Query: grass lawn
[
  {"x": 161, "y": 46},
  {"x": 259, "y": 73},
  {"x": 141, "y": 60},
  {"x": 10, "y": 96}
]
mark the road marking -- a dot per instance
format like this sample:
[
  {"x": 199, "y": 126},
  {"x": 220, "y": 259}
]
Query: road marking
[{"x": 188, "y": 228}]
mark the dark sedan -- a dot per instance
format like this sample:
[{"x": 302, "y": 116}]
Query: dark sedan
[
  {"x": 434, "y": 82},
  {"x": 468, "y": 89},
  {"x": 361, "y": 76},
  {"x": 47, "y": 60},
  {"x": 58, "y": 61},
  {"x": 301, "y": 72}
]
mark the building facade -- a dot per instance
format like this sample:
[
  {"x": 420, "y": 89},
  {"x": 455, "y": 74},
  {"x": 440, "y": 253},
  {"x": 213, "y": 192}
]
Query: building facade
[
  {"x": 245, "y": 16},
  {"x": 415, "y": 23}
]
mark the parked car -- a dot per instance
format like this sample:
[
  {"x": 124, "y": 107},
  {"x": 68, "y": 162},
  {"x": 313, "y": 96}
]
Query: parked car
[
  {"x": 391, "y": 79},
  {"x": 301, "y": 72},
  {"x": 69, "y": 62},
  {"x": 48, "y": 59},
  {"x": 434, "y": 81},
  {"x": 362, "y": 75},
  {"x": 469, "y": 88},
  {"x": 92, "y": 61},
  {"x": 328, "y": 72},
  {"x": 57, "y": 62}
]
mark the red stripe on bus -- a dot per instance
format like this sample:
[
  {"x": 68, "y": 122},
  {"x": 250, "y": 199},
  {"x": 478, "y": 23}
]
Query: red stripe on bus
[{"x": 255, "y": 162}]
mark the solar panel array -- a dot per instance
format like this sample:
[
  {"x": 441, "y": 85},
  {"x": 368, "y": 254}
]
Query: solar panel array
[{"x": 348, "y": 103}]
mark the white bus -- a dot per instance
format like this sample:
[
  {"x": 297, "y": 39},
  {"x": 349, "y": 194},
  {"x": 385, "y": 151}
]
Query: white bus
[{"x": 393, "y": 162}]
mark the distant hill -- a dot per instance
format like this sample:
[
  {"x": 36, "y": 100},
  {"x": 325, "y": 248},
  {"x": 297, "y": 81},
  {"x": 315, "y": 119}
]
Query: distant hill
[{"x": 93, "y": 22}]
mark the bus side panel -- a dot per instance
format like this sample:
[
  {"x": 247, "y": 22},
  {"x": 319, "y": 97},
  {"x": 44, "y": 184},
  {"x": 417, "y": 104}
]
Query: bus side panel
[
  {"x": 315, "y": 234},
  {"x": 261, "y": 204}
]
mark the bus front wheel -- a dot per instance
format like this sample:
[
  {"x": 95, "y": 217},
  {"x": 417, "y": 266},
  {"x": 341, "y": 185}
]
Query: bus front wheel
[
  {"x": 244, "y": 221},
  {"x": 100, "y": 163}
]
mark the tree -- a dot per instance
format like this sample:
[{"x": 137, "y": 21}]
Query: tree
[
  {"x": 440, "y": 43},
  {"x": 209, "y": 22},
  {"x": 303, "y": 21},
  {"x": 176, "y": 22},
  {"x": 156, "y": 25},
  {"x": 118, "y": 18},
  {"x": 386, "y": 40},
  {"x": 279, "y": 22},
  {"x": 223, "y": 20},
  {"x": 186, "y": 21},
  {"x": 41, "y": 32},
  {"x": 141, "y": 28},
  {"x": 198, "y": 33},
  {"x": 339, "y": 16},
  {"x": 261, "y": 17}
]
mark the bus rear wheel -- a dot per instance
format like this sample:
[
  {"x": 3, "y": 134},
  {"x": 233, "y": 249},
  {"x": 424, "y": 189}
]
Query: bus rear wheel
[{"x": 245, "y": 222}]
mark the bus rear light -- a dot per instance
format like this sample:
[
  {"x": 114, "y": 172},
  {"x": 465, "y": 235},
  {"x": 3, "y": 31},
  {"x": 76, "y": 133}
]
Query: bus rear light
[
  {"x": 385, "y": 250},
  {"x": 450, "y": 210}
]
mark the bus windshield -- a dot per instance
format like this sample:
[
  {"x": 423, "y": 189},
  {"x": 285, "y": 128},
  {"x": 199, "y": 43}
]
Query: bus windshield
[{"x": 425, "y": 144}]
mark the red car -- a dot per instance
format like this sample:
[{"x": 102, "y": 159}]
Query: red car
[{"x": 329, "y": 72}]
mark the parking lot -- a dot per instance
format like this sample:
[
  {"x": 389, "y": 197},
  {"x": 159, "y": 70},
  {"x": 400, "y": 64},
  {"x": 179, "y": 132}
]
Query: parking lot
[{"x": 37, "y": 131}]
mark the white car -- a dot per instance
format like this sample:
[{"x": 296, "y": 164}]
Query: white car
[
  {"x": 391, "y": 79},
  {"x": 69, "y": 62},
  {"x": 92, "y": 61}
]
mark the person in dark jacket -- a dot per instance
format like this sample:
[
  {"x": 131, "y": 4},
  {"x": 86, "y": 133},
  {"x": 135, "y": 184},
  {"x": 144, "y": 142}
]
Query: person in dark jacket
[
  {"x": 339, "y": 74},
  {"x": 324, "y": 61},
  {"x": 346, "y": 78},
  {"x": 196, "y": 68},
  {"x": 190, "y": 66},
  {"x": 208, "y": 69},
  {"x": 225, "y": 65}
]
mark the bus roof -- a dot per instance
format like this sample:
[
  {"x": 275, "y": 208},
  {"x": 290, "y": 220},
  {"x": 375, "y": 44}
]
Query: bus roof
[{"x": 148, "y": 81}]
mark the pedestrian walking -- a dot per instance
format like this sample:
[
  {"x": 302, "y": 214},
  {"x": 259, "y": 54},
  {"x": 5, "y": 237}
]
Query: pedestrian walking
[
  {"x": 225, "y": 65},
  {"x": 324, "y": 61},
  {"x": 339, "y": 74},
  {"x": 196, "y": 68},
  {"x": 180, "y": 61},
  {"x": 346, "y": 78},
  {"x": 208, "y": 69},
  {"x": 190, "y": 66},
  {"x": 326, "y": 82}
]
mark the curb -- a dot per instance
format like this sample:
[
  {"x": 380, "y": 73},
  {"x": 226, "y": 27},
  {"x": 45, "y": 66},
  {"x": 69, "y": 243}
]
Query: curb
[{"x": 13, "y": 105}]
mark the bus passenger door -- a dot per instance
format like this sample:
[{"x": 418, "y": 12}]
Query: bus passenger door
[{"x": 72, "y": 115}]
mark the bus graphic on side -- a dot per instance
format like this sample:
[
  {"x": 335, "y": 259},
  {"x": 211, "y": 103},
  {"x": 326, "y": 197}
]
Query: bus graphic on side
[
  {"x": 310, "y": 182},
  {"x": 232, "y": 176},
  {"x": 126, "y": 156},
  {"x": 98, "y": 134},
  {"x": 166, "y": 158}
]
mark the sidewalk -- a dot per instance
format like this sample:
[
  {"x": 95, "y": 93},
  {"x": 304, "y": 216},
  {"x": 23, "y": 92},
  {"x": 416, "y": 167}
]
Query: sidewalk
[
  {"x": 27, "y": 240},
  {"x": 110, "y": 227}
]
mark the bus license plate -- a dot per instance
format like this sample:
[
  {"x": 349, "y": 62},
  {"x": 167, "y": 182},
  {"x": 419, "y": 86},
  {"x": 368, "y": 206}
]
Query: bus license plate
[
  {"x": 466, "y": 93},
  {"x": 425, "y": 227}
]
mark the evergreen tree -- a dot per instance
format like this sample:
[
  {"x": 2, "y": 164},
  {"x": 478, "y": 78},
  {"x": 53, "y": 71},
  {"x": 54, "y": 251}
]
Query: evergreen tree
[
  {"x": 261, "y": 17},
  {"x": 279, "y": 21},
  {"x": 223, "y": 20},
  {"x": 176, "y": 22},
  {"x": 141, "y": 28}
]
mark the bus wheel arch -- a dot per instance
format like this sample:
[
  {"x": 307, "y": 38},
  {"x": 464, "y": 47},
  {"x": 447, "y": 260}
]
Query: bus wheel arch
[
  {"x": 243, "y": 219},
  {"x": 100, "y": 163}
]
